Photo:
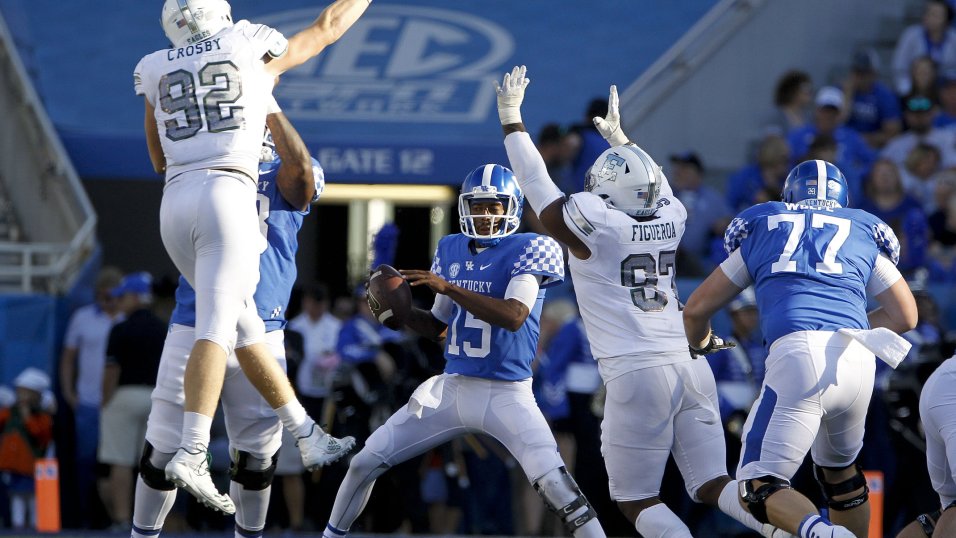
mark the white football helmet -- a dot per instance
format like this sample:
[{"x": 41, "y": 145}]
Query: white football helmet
[
  {"x": 190, "y": 21},
  {"x": 627, "y": 178}
]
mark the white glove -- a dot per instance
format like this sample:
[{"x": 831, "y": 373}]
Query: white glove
[
  {"x": 610, "y": 126},
  {"x": 510, "y": 94}
]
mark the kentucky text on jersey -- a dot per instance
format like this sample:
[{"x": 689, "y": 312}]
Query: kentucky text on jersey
[
  {"x": 189, "y": 50},
  {"x": 478, "y": 286},
  {"x": 653, "y": 232}
]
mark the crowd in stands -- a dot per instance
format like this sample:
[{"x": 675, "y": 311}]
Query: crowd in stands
[{"x": 892, "y": 131}]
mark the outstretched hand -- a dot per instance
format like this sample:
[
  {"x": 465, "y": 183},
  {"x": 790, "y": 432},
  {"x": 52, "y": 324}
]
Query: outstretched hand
[
  {"x": 610, "y": 125},
  {"x": 511, "y": 94}
]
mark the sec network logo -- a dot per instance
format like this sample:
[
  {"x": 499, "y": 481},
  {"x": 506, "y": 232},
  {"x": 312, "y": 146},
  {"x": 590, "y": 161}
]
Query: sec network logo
[{"x": 397, "y": 63}]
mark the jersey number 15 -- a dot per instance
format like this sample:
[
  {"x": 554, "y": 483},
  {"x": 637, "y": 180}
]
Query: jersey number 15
[{"x": 211, "y": 74}]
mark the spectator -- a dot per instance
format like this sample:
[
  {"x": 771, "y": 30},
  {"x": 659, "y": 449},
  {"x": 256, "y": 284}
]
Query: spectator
[
  {"x": 26, "y": 429},
  {"x": 923, "y": 78},
  {"x": 792, "y": 97},
  {"x": 946, "y": 117},
  {"x": 918, "y": 111},
  {"x": 942, "y": 223},
  {"x": 874, "y": 108},
  {"x": 919, "y": 174},
  {"x": 320, "y": 331},
  {"x": 555, "y": 149},
  {"x": 585, "y": 144},
  {"x": 853, "y": 156},
  {"x": 81, "y": 380},
  {"x": 941, "y": 231},
  {"x": 707, "y": 214},
  {"x": 761, "y": 181},
  {"x": 886, "y": 199},
  {"x": 932, "y": 37},
  {"x": 132, "y": 362}
]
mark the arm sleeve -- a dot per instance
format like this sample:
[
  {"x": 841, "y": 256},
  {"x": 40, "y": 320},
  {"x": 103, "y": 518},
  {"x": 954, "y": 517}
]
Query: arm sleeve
[
  {"x": 266, "y": 40},
  {"x": 884, "y": 275},
  {"x": 736, "y": 270},
  {"x": 138, "y": 78},
  {"x": 585, "y": 214},
  {"x": 443, "y": 308},
  {"x": 541, "y": 256},
  {"x": 531, "y": 172},
  {"x": 524, "y": 288}
]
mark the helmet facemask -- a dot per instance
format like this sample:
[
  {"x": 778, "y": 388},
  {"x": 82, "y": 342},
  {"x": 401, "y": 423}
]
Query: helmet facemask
[{"x": 496, "y": 226}]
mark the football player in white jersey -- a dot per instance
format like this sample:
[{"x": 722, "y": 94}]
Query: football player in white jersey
[
  {"x": 205, "y": 104},
  {"x": 622, "y": 234},
  {"x": 937, "y": 411}
]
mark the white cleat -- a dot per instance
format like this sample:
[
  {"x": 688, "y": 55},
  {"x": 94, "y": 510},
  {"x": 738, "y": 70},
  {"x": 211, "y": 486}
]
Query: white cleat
[
  {"x": 319, "y": 448},
  {"x": 191, "y": 472}
]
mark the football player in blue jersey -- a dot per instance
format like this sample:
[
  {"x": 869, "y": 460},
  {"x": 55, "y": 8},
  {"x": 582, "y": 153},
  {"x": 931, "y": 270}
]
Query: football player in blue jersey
[
  {"x": 286, "y": 188},
  {"x": 812, "y": 261},
  {"x": 489, "y": 283}
]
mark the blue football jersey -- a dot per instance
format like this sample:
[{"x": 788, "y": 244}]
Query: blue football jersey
[
  {"x": 279, "y": 223},
  {"x": 474, "y": 347},
  {"x": 809, "y": 265}
]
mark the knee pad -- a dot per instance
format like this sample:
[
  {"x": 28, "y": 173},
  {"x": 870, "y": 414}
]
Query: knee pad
[
  {"x": 153, "y": 476},
  {"x": 251, "y": 478},
  {"x": 562, "y": 496},
  {"x": 845, "y": 487},
  {"x": 756, "y": 498}
]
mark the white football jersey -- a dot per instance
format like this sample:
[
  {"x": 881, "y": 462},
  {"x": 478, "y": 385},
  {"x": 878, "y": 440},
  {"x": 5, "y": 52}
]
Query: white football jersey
[
  {"x": 625, "y": 290},
  {"x": 210, "y": 98}
]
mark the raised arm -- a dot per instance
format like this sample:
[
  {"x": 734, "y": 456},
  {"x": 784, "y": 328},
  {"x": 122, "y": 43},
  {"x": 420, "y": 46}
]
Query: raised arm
[
  {"x": 295, "y": 179},
  {"x": 331, "y": 25},
  {"x": 530, "y": 171}
]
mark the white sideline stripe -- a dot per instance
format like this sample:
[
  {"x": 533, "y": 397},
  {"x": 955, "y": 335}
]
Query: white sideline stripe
[{"x": 821, "y": 179}]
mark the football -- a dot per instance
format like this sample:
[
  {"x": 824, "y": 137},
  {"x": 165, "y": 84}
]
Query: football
[{"x": 389, "y": 296}]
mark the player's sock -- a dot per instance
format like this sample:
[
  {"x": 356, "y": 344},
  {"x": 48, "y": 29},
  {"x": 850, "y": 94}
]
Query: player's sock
[
  {"x": 659, "y": 522},
  {"x": 196, "y": 428},
  {"x": 729, "y": 504},
  {"x": 295, "y": 419},
  {"x": 332, "y": 532},
  {"x": 814, "y": 526},
  {"x": 251, "y": 508},
  {"x": 150, "y": 508}
]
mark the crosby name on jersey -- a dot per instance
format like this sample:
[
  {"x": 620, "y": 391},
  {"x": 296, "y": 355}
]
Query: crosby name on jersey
[{"x": 213, "y": 96}]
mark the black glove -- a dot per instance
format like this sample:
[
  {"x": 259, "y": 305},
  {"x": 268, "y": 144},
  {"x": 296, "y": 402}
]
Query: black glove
[{"x": 714, "y": 344}]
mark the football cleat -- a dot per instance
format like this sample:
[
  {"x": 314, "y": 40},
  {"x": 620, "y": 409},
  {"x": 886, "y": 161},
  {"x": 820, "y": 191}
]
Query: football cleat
[
  {"x": 319, "y": 448},
  {"x": 190, "y": 471}
]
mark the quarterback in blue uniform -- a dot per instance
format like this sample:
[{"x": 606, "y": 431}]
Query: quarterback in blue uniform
[
  {"x": 285, "y": 190},
  {"x": 489, "y": 283},
  {"x": 812, "y": 261}
]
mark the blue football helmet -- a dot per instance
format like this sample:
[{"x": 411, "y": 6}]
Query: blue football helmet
[
  {"x": 490, "y": 182},
  {"x": 803, "y": 185}
]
